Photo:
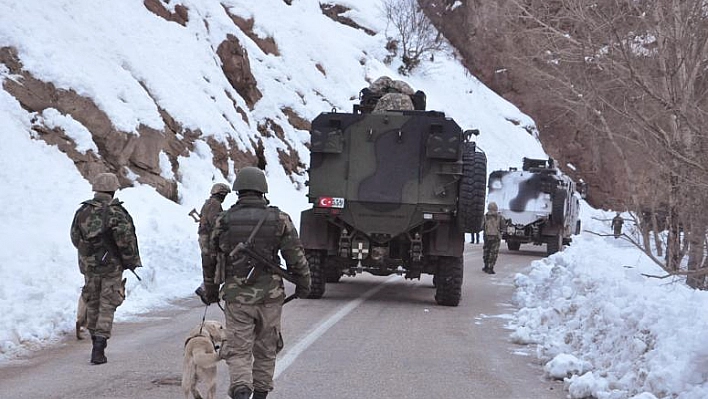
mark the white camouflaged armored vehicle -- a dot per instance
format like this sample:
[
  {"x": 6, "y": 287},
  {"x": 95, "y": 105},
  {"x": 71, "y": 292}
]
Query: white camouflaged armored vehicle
[{"x": 541, "y": 205}]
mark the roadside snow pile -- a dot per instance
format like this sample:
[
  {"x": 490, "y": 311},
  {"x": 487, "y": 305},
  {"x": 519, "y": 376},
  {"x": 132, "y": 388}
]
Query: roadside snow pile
[{"x": 608, "y": 330}]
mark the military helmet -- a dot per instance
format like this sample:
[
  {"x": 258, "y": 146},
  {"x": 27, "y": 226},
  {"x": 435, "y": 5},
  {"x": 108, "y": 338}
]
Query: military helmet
[
  {"x": 251, "y": 178},
  {"x": 105, "y": 182},
  {"x": 492, "y": 207},
  {"x": 220, "y": 188}
]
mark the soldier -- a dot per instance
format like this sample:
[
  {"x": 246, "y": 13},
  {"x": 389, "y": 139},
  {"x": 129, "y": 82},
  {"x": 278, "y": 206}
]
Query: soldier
[
  {"x": 210, "y": 210},
  {"x": 395, "y": 94},
  {"x": 617, "y": 222},
  {"x": 104, "y": 234},
  {"x": 492, "y": 225},
  {"x": 254, "y": 297}
]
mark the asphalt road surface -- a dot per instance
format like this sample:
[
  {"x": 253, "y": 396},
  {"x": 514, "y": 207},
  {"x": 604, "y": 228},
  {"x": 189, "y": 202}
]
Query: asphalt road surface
[{"x": 368, "y": 337}]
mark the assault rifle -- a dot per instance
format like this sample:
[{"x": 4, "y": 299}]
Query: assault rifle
[{"x": 261, "y": 262}]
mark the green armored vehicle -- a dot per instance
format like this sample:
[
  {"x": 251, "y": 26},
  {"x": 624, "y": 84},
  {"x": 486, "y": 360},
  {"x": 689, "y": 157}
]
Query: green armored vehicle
[{"x": 393, "y": 192}]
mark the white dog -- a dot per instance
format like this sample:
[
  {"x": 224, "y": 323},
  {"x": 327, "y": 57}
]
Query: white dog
[{"x": 201, "y": 355}]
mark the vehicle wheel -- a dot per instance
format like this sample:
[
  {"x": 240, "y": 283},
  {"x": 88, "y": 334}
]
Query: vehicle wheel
[
  {"x": 555, "y": 244},
  {"x": 317, "y": 277},
  {"x": 473, "y": 189},
  {"x": 513, "y": 245},
  {"x": 558, "y": 208},
  {"x": 448, "y": 287}
]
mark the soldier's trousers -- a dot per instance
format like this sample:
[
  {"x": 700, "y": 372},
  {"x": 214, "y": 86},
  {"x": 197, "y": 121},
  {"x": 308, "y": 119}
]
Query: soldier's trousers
[
  {"x": 102, "y": 294},
  {"x": 208, "y": 258},
  {"x": 490, "y": 250},
  {"x": 252, "y": 342}
]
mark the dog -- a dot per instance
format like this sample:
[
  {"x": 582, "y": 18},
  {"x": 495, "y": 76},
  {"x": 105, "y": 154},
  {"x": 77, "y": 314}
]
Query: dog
[
  {"x": 81, "y": 318},
  {"x": 201, "y": 356}
]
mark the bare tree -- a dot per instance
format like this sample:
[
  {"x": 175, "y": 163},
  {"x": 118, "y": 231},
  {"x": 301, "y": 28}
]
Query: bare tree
[
  {"x": 417, "y": 36},
  {"x": 633, "y": 73}
]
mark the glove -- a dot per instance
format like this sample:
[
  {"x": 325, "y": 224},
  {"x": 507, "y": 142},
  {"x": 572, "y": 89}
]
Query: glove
[{"x": 208, "y": 293}]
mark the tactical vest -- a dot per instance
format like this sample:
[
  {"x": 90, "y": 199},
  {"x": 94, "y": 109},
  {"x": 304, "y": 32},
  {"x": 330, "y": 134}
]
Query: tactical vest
[{"x": 239, "y": 223}]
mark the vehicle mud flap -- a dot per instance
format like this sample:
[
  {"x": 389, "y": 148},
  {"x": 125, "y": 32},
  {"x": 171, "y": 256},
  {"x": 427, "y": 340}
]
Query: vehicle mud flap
[
  {"x": 446, "y": 240},
  {"x": 513, "y": 245},
  {"x": 313, "y": 230}
]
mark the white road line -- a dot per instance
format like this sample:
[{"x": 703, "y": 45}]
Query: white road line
[{"x": 289, "y": 357}]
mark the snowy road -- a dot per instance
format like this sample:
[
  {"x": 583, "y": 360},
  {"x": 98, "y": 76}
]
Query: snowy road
[{"x": 368, "y": 337}]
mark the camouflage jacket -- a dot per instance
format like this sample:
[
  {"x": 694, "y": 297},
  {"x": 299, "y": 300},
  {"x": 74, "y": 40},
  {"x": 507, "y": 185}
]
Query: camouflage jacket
[
  {"x": 493, "y": 224},
  {"x": 95, "y": 256},
  {"x": 210, "y": 210},
  {"x": 277, "y": 234},
  {"x": 207, "y": 219}
]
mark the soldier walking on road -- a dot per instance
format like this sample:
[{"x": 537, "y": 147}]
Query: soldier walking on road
[
  {"x": 254, "y": 297},
  {"x": 617, "y": 223},
  {"x": 207, "y": 219},
  {"x": 492, "y": 225},
  {"x": 104, "y": 234}
]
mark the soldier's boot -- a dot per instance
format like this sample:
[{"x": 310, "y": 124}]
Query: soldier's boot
[
  {"x": 97, "y": 352},
  {"x": 485, "y": 268},
  {"x": 239, "y": 392},
  {"x": 260, "y": 394},
  {"x": 490, "y": 270}
]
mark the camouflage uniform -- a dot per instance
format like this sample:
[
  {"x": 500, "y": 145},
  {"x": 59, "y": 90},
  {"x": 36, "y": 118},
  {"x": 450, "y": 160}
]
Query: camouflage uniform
[
  {"x": 253, "y": 312},
  {"x": 102, "y": 263},
  {"x": 210, "y": 210},
  {"x": 617, "y": 223},
  {"x": 492, "y": 225},
  {"x": 394, "y": 101},
  {"x": 395, "y": 94}
]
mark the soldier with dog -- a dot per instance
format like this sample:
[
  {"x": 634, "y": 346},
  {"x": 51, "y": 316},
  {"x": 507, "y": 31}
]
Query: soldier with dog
[{"x": 254, "y": 294}]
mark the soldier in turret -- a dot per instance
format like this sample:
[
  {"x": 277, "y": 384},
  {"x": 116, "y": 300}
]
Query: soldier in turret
[
  {"x": 104, "y": 234},
  {"x": 253, "y": 295}
]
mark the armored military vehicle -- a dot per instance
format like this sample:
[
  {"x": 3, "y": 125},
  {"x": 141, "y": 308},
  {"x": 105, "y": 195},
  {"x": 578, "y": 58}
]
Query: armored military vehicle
[
  {"x": 392, "y": 192},
  {"x": 541, "y": 205}
]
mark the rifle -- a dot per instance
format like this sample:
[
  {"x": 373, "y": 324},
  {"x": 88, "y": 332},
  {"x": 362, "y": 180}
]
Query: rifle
[
  {"x": 262, "y": 261},
  {"x": 195, "y": 215}
]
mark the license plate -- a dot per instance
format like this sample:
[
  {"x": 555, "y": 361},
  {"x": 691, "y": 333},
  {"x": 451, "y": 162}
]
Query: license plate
[{"x": 330, "y": 202}]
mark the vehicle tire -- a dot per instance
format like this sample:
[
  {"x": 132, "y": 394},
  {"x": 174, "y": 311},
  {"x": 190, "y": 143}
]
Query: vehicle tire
[
  {"x": 513, "y": 245},
  {"x": 448, "y": 287},
  {"x": 473, "y": 190},
  {"x": 316, "y": 260},
  {"x": 558, "y": 208},
  {"x": 555, "y": 244}
]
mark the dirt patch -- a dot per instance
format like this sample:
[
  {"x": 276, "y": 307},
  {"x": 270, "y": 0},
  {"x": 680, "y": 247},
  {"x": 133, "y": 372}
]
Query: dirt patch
[
  {"x": 237, "y": 68},
  {"x": 180, "y": 15},
  {"x": 267, "y": 45},
  {"x": 335, "y": 11}
]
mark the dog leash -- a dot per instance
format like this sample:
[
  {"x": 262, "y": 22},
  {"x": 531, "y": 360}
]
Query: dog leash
[{"x": 203, "y": 319}]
